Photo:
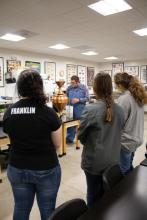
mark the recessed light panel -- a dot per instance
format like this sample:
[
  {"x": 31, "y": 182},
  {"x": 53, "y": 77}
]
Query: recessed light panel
[
  {"x": 108, "y": 7},
  {"x": 59, "y": 47},
  {"x": 111, "y": 58},
  {"x": 12, "y": 37},
  {"x": 141, "y": 32},
  {"x": 89, "y": 53}
]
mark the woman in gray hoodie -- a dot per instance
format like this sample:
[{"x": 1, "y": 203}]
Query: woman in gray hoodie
[
  {"x": 100, "y": 133},
  {"x": 131, "y": 100}
]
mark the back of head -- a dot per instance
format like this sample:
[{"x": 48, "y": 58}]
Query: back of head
[
  {"x": 103, "y": 89},
  {"x": 30, "y": 85},
  {"x": 123, "y": 79},
  {"x": 128, "y": 82}
]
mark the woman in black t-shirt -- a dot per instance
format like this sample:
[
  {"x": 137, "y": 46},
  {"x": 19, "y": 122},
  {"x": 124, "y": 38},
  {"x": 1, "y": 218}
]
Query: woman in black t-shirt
[{"x": 35, "y": 132}]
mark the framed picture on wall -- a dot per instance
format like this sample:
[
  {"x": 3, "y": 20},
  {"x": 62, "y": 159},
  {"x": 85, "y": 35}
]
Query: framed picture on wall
[
  {"x": 33, "y": 65},
  {"x": 143, "y": 74},
  {"x": 71, "y": 70},
  {"x": 90, "y": 76},
  {"x": 50, "y": 69},
  {"x": 132, "y": 70},
  {"x": 13, "y": 65},
  {"x": 109, "y": 72},
  {"x": 82, "y": 74},
  {"x": 117, "y": 68},
  {"x": 61, "y": 75},
  {"x": 1, "y": 71}
]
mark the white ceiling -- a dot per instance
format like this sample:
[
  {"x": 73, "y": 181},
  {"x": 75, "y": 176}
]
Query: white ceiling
[{"x": 71, "y": 22}]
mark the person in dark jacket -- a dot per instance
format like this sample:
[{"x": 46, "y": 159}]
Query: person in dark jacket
[
  {"x": 34, "y": 130},
  {"x": 100, "y": 133}
]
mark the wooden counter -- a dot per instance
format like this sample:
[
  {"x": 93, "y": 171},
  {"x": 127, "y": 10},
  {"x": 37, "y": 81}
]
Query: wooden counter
[{"x": 67, "y": 124}]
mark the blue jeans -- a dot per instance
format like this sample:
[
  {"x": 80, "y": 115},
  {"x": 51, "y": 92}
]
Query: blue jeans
[
  {"x": 94, "y": 188},
  {"x": 28, "y": 183},
  {"x": 71, "y": 132},
  {"x": 126, "y": 161}
]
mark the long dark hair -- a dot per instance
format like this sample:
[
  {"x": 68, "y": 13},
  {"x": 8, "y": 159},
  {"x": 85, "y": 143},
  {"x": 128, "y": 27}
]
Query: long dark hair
[
  {"x": 30, "y": 85},
  {"x": 133, "y": 85},
  {"x": 103, "y": 89}
]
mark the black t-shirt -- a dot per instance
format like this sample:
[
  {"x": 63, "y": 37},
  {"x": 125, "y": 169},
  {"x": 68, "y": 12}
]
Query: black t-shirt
[{"x": 29, "y": 128}]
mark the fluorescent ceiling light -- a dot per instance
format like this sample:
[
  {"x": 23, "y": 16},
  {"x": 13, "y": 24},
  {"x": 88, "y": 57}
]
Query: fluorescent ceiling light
[
  {"x": 111, "y": 58},
  {"x": 59, "y": 47},
  {"x": 141, "y": 32},
  {"x": 12, "y": 37},
  {"x": 108, "y": 7},
  {"x": 89, "y": 53}
]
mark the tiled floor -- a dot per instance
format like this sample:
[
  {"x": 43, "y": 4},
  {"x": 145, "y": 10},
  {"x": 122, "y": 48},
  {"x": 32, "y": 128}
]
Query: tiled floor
[{"x": 72, "y": 186}]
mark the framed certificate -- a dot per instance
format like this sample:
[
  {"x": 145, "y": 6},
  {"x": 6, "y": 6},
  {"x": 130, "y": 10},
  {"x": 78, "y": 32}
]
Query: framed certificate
[
  {"x": 132, "y": 70},
  {"x": 90, "y": 76},
  {"x": 50, "y": 69},
  {"x": 1, "y": 71},
  {"x": 143, "y": 74},
  {"x": 71, "y": 70},
  {"x": 117, "y": 68},
  {"x": 82, "y": 74}
]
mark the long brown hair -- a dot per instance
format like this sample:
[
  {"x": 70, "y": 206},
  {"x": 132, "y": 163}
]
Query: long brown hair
[
  {"x": 103, "y": 89},
  {"x": 30, "y": 84},
  {"x": 133, "y": 85}
]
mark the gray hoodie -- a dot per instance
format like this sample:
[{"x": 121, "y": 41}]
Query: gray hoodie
[{"x": 132, "y": 135}]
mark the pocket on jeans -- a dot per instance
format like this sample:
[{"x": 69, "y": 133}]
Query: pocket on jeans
[
  {"x": 43, "y": 172},
  {"x": 52, "y": 176},
  {"x": 14, "y": 174},
  {"x": 48, "y": 172}
]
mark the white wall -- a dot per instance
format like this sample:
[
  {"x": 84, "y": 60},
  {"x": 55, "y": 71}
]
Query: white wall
[
  {"x": 60, "y": 63},
  {"x": 24, "y": 56},
  {"x": 108, "y": 65}
]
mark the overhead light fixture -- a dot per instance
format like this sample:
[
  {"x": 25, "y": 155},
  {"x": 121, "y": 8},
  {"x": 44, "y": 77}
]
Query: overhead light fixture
[
  {"x": 59, "y": 47},
  {"x": 12, "y": 37},
  {"x": 111, "y": 58},
  {"x": 141, "y": 32},
  {"x": 89, "y": 53},
  {"x": 108, "y": 7}
]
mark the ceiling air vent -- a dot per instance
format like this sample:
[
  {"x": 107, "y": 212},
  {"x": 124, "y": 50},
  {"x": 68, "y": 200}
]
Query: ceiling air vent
[{"x": 26, "y": 33}]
